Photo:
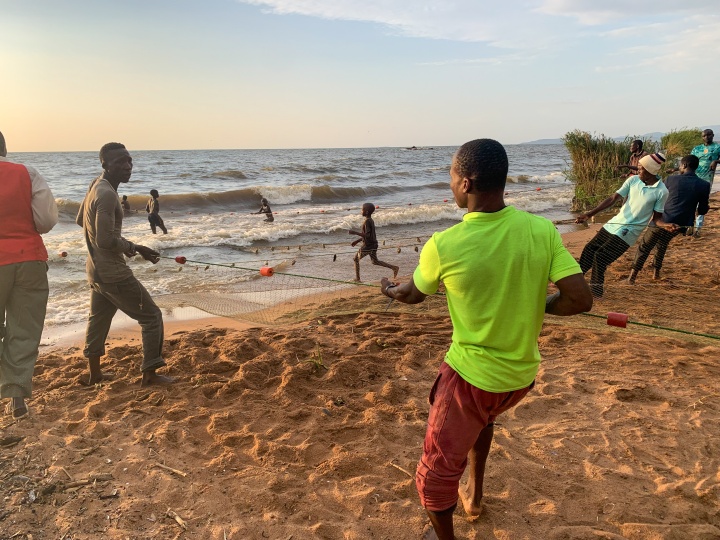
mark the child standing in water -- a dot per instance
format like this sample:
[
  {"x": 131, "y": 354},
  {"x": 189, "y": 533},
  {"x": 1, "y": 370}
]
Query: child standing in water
[
  {"x": 265, "y": 209},
  {"x": 125, "y": 205},
  {"x": 369, "y": 242},
  {"x": 153, "y": 210}
]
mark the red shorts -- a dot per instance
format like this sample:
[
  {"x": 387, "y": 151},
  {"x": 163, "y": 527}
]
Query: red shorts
[{"x": 459, "y": 411}]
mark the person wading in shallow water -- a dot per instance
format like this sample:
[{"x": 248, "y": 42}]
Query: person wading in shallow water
[
  {"x": 153, "y": 209},
  {"x": 265, "y": 209},
  {"x": 495, "y": 266},
  {"x": 113, "y": 285}
]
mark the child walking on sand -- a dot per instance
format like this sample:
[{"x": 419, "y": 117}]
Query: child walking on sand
[{"x": 369, "y": 242}]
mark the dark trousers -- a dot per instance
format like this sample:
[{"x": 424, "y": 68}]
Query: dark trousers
[
  {"x": 599, "y": 253},
  {"x": 654, "y": 236},
  {"x": 156, "y": 221},
  {"x": 130, "y": 297}
]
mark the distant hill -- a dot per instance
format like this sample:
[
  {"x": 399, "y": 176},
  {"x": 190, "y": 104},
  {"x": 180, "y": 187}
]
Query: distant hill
[{"x": 655, "y": 135}]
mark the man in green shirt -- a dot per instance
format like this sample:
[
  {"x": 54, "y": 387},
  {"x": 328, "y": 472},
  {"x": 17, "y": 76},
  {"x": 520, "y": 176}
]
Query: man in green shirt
[
  {"x": 495, "y": 266},
  {"x": 709, "y": 154}
]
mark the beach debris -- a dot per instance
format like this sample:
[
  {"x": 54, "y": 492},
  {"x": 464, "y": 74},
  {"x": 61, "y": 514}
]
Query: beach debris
[
  {"x": 416, "y": 249},
  {"x": 92, "y": 479},
  {"x": 266, "y": 271},
  {"x": 180, "y": 259},
  {"x": 399, "y": 468},
  {"x": 326, "y": 412},
  {"x": 180, "y": 521},
  {"x": 399, "y": 250},
  {"x": 12, "y": 440},
  {"x": 112, "y": 495},
  {"x": 170, "y": 469},
  {"x": 335, "y": 257},
  {"x": 63, "y": 254}
]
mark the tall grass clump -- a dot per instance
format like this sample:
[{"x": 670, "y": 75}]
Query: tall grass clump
[
  {"x": 678, "y": 144},
  {"x": 592, "y": 167}
]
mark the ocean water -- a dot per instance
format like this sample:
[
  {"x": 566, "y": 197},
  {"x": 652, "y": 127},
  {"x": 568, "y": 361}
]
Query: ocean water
[{"x": 207, "y": 198}]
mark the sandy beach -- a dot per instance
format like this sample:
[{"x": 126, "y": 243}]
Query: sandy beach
[{"x": 313, "y": 429}]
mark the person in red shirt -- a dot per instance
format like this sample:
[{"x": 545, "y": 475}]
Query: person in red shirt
[{"x": 27, "y": 210}]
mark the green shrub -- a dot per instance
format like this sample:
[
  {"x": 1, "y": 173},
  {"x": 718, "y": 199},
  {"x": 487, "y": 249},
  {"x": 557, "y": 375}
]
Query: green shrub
[
  {"x": 678, "y": 144},
  {"x": 592, "y": 167}
]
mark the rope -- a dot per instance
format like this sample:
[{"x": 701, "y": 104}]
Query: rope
[
  {"x": 659, "y": 327},
  {"x": 362, "y": 284}
]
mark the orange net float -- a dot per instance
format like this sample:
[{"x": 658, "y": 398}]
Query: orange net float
[
  {"x": 617, "y": 319},
  {"x": 266, "y": 271},
  {"x": 180, "y": 259},
  {"x": 63, "y": 253}
]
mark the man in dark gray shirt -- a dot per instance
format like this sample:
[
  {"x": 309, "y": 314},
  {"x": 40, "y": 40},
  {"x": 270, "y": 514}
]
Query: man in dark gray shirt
[
  {"x": 112, "y": 282},
  {"x": 686, "y": 193}
]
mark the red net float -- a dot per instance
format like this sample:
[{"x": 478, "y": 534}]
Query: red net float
[
  {"x": 63, "y": 253},
  {"x": 267, "y": 271},
  {"x": 180, "y": 259},
  {"x": 445, "y": 200},
  {"x": 538, "y": 189},
  {"x": 617, "y": 319}
]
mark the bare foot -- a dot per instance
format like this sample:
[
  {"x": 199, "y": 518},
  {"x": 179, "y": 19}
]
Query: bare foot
[
  {"x": 472, "y": 508},
  {"x": 17, "y": 408},
  {"x": 395, "y": 270},
  {"x": 150, "y": 378},
  {"x": 429, "y": 533}
]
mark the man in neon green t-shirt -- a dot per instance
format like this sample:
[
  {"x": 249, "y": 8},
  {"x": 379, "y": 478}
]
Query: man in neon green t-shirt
[{"x": 495, "y": 266}]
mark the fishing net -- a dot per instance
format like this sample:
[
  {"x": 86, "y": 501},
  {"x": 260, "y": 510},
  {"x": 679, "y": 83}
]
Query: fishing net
[{"x": 317, "y": 279}]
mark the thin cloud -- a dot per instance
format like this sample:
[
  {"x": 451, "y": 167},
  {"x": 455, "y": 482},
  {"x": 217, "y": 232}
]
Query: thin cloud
[
  {"x": 455, "y": 20},
  {"x": 594, "y": 12}
]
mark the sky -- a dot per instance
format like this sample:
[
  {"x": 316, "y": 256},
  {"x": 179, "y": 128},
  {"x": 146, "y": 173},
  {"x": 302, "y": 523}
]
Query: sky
[{"x": 197, "y": 74}]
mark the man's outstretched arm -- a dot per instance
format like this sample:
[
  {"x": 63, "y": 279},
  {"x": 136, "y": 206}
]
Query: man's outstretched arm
[
  {"x": 573, "y": 297},
  {"x": 407, "y": 293}
]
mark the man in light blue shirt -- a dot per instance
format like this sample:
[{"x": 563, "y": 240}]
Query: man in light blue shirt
[
  {"x": 709, "y": 154},
  {"x": 645, "y": 197}
]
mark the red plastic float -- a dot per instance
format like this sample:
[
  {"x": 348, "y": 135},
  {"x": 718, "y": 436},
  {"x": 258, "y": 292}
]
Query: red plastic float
[
  {"x": 444, "y": 200},
  {"x": 538, "y": 189},
  {"x": 180, "y": 259},
  {"x": 267, "y": 271},
  {"x": 617, "y": 319},
  {"x": 63, "y": 253}
]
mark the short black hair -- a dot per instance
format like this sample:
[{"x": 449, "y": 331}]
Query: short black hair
[
  {"x": 369, "y": 208},
  {"x": 691, "y": 162},
  {"x": 109, "y": 147},
  {"x": 639, "y": 143},
  {"x": 154, "y": 193},
  {"x": 485, "y": 162}
]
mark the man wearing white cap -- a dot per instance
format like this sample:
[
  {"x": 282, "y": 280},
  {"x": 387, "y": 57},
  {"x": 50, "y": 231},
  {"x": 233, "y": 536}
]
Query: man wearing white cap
[{"x": 645, "y": 197}]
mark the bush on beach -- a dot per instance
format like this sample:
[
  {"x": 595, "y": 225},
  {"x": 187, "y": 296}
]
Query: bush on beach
[
  {"x": 593, "y": 162},
  {"x": 678, "y": 144}
]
